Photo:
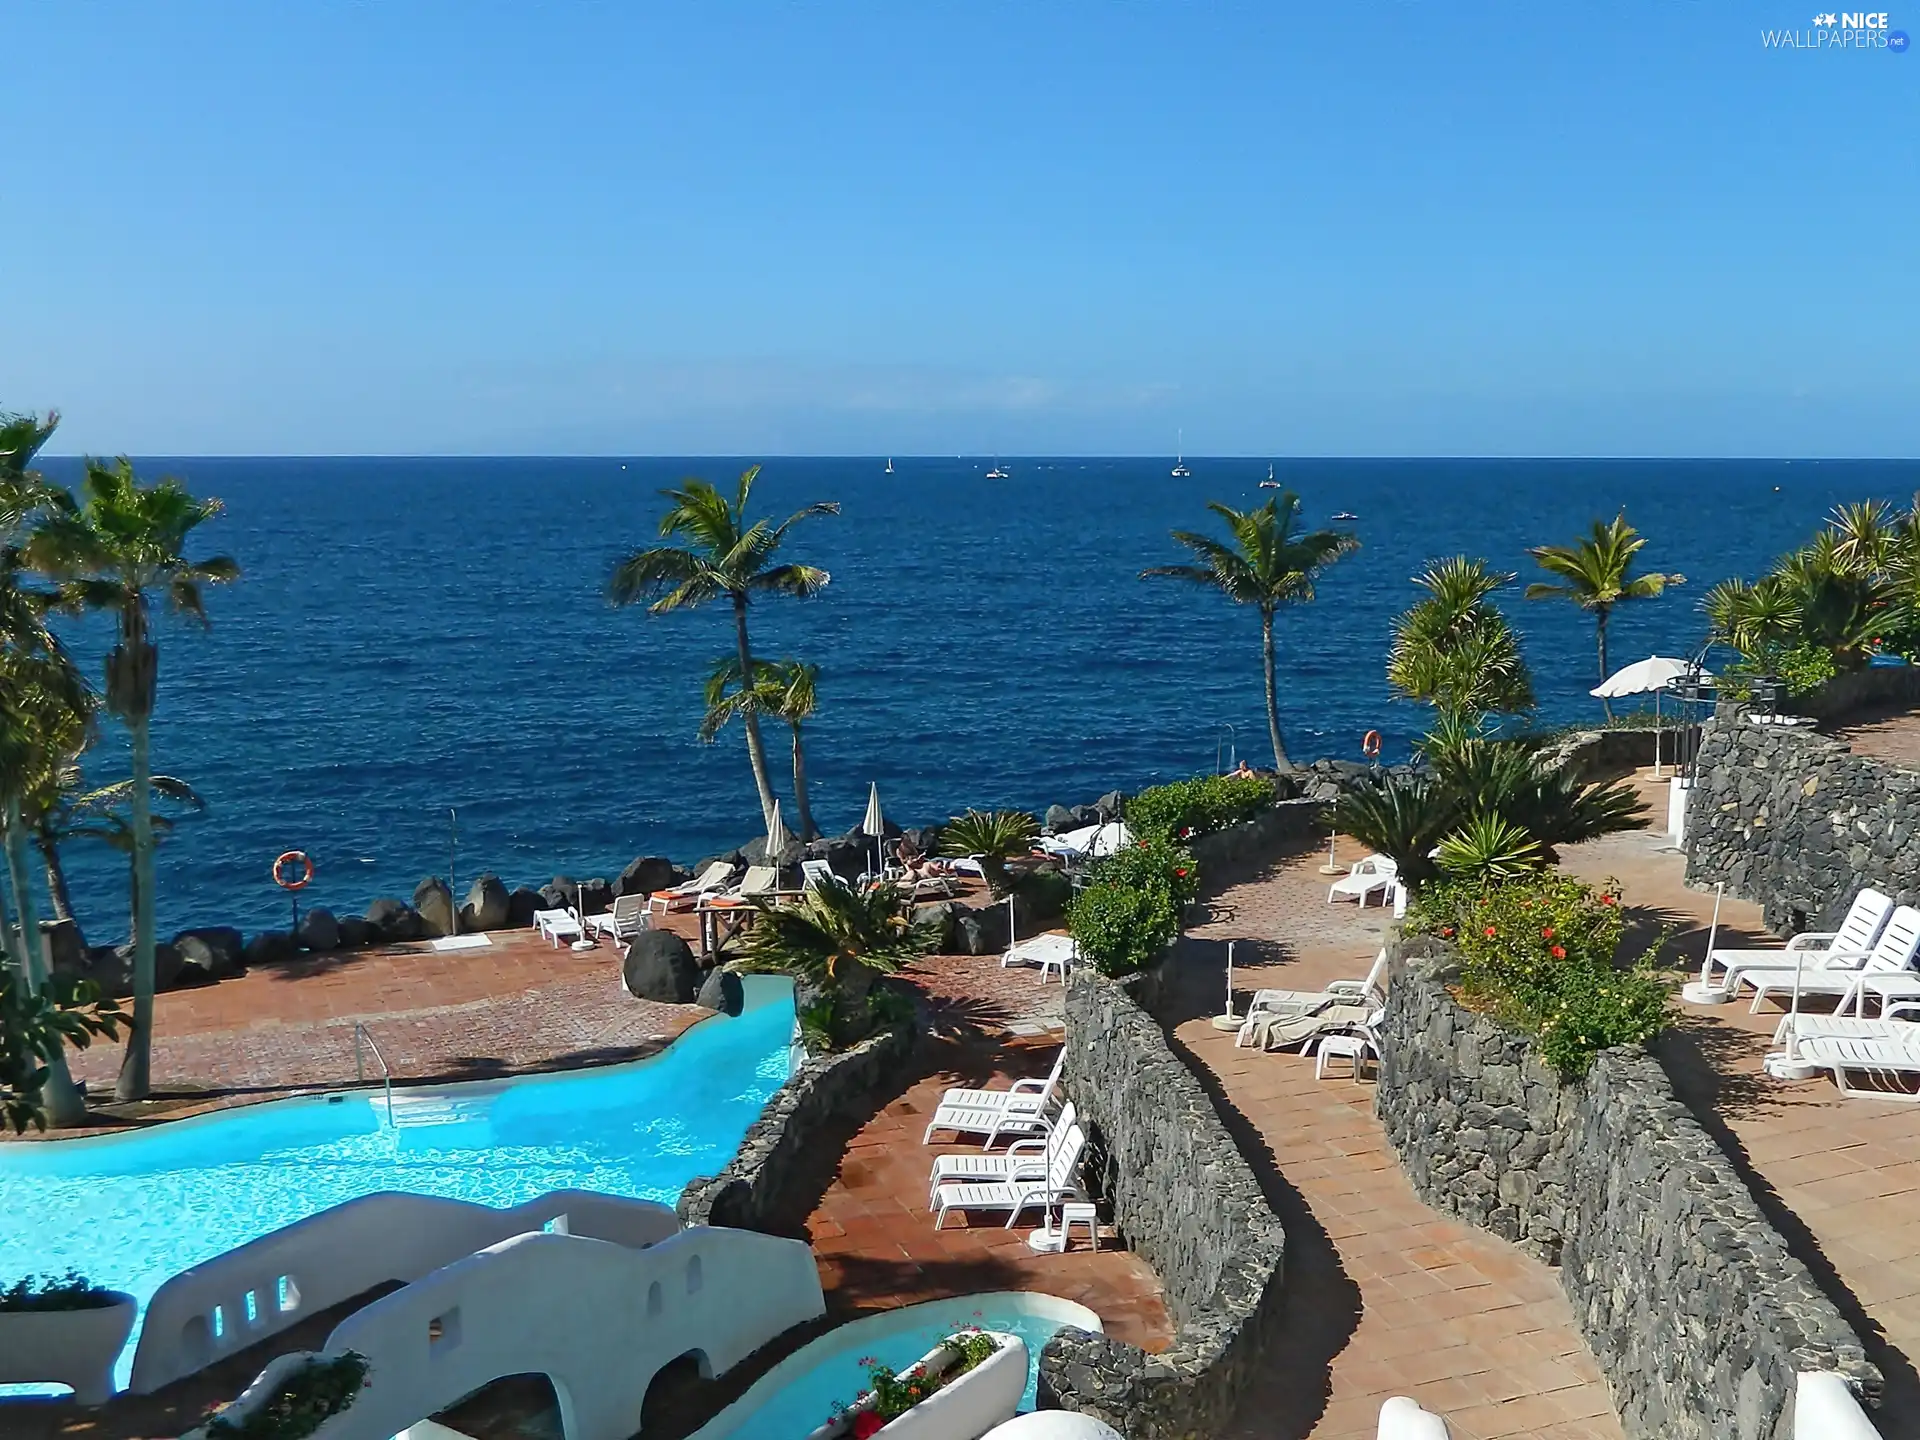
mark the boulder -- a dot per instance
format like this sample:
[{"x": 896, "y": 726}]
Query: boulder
[
  {"x": 520, "y": 907},
  {"x": 1059, "y": 818},
  {"x": 722, "y": 991},
  {"x": 356, "y": 931},
  {"x": 394, "y": 920},
  {"x": 65, "y": 954},
  {"x": 660, "y": 966},
  {"x": 214, "y": 949},
  {"x": 271, "y": 948},
  {"x": 487, "y": 905},
  {"x": 1110, "y": 806},
  {"x": 940, "y": 913},
  {"x": 925, "y": 839},
  {"x": 1085, "y": 815},
  {"x": 318, "y": 930},
  {"x": 596, "y": 897},
  {"x": 732, "y": 857},
  {"x": 980, "y": 932},
  {"x": 111, "y": 968},
  {"x": 556, "y": 894},
  {"x": 646, "y": 875},
  {"x": 564, "y": 892},
  {"x": 434, "y": 901},
  {"x": 846, "y": 859}
]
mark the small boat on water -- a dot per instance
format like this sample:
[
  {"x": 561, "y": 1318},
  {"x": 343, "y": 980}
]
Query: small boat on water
[
  {"x": 889, "y": 465},
  {"x": 1269, "y": 483},
  {"x": 1346, "y": 515},
  {"x": 1180, "y": 470},
  {"x": 996, "y": 473}
]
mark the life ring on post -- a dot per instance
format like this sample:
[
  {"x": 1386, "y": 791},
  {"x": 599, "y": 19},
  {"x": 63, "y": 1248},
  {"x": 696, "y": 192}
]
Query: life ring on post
[
  {"x": 292, "y": 858},
  {"x": 1370, "y": 745}
]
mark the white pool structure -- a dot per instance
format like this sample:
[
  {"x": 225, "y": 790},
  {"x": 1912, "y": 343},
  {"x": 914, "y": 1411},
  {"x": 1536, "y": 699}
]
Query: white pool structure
[
  {"x": 799, "y": 1393},
  {"x": 133, "y": 1210}
]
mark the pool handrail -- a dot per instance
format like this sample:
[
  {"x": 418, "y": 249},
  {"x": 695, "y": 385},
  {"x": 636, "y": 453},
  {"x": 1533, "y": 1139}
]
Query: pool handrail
[
  {"x": 360, "y": 1034},
  {"x": 259, "y": 1289}
]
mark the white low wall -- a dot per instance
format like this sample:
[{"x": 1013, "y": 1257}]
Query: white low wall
[
  {"x": 1825, "y": 1408},
  {"x": 599, "y": 1320},
  {"x": 261, "y": 1288},
  {"x": 1403, "y": 1419}
]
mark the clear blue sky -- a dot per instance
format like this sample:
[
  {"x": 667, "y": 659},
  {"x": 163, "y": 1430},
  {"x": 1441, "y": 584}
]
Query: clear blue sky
[{"x": 1386, "y": 228}]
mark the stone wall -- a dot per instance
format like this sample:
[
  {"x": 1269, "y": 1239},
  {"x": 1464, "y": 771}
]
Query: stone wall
[
  {"x": 775, "y": 1178},
  {"x": 1696, "y": 1311},
  {"x": 1797, "y": 822},
  {"x": 1877, "y": 685},
  {"x": 1285, "y": 822},
  {"x": 1187, "y": 1203}
]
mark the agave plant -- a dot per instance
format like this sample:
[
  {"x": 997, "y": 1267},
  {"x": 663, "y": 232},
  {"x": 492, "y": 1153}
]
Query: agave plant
[
  {"x": 1510, "y": 779},
  {"x": 1489, "y": 847},
  {"x": 992, "y": 836},
  {"x": 1402, "y": 817}
]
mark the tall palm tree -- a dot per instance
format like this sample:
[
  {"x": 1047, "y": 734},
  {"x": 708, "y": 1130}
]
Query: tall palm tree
[
  {"x": 1595, "y": 573},
  {"x": 122, "y": 553},
  {"x": 788, "y": 689},
  {"x": 1268, "y": 562},
  {"x": 724, "y": 556}
]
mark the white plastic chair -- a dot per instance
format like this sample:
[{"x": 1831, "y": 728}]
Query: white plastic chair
[
  {"x": 1021, "y": 1109},
  {"x": 1018, "y": 1196},
  {"x": 1847, "y": 947},
  {"x": 1891, "y": 959},
  {"x": 626, "y": 920},
  {"x": 1024, "y": 1159},
  {"x": 1051, "y": 951},
  {"x": 1371, "y": 876}
]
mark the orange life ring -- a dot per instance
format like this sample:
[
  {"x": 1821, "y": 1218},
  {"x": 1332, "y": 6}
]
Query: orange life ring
[
  {"x": 306, "y": 870},
  {"x": 1370, "y": 744}
]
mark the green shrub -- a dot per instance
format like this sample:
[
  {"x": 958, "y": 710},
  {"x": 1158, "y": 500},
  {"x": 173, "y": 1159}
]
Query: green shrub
[
  {"x": 1188, "y": 809},
  {"x": 1131, "y": 907},
  {"x": 994, "y": 836},
  {"x": 1538, "y": 954},
  {"x": 1045, "y": 894},
  {"x": 308, "y": 1398},
  {"x": 71, "y": 1291}
]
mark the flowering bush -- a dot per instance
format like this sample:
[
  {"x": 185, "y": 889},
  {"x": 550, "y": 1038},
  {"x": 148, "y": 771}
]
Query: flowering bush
[
  {"x": 307, "y": 1399},
  {"x": 890, "y": 1394},
  {"x": 1131, "y": 908},
  {"x": 1539, "y": 954},
  {"x": 1188, "y": 809}
]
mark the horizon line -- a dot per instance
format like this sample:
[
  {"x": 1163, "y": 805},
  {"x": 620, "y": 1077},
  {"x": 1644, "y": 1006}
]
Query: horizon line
[{"x": 880, "y": 456}]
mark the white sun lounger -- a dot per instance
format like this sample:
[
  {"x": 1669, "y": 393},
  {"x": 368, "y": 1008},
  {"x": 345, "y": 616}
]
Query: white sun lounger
[
  {"x": 1023, "y": 1108},
  {"x": 626, "y": 920},
  {"x": 1051, "y": 951},
  {"x": 1024, "y": 1159},
  {"x": 1848, "y": 946},
  {"x": 1018, "y": 1195},
  {"x": 1891, "y": 959},
  {"x": 686, "y": 896},
  {"x": 1850, "y": 1027},
  {"x": 1268, "y": 1004},
  {"x": 1887, "y": 1061},
  {"x": 1374, "y": 875},
  {"x": 558, "y": 925}
]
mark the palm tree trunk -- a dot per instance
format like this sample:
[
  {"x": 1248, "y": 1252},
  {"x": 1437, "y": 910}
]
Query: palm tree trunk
[
  {"x": 136, "y": 1070},
  {"x": 1600, "y": 636},
  {"x": 65, "y": 1105},
  {"x": 1273, "y": 700},
  {"x": 756, "y": 750},
  {"x": 49, "y": 846},
  {"x": 808, "y": 831}
]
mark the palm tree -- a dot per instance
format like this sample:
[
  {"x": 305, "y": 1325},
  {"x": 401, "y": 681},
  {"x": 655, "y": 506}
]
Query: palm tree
[
  {"x": 100, "y": 815},
  {"x": 724, "y": 557},
  {"x": 788, "y": 689},
  {"x": 1596, "y": 574},
  {"x": 1269, "y": 562},
  {"x": 1455, "y": 651},
  {"x": 123, "y": 553}
]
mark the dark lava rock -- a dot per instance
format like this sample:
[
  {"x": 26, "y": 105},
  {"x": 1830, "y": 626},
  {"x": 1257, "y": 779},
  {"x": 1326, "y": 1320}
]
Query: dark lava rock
[
  {"x": 271, "y": 948},
  {"x": 1111, "y": 805},
  {"x": 434, "y": 902},
  {"x": 1058, "y": 818},
  {"x": 941, "y": 913},
  {"x": 65, "y": 954},
  {"x": 487, "y": 905},
  {"x": 646, "y": 875},
  {"x": 356, "y": 931},
  {"x": 318, "y": 929},
  {"x": 660, "y": 966},
  {"x": 394, "y": 920},
  {"x": 596, "y": 897},
  {"x": 722, "y": 991},
  {"x": 520, "y": 907},
  {"x": 215, "y": 949}
]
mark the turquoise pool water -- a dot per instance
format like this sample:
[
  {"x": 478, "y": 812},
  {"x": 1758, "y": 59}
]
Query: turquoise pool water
[
  {"x": 798, "y": 1394},
  {"x": 130, "y": 1211}
]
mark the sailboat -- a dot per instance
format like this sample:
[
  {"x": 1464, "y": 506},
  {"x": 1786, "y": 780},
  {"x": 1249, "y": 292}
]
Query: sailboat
[
  {"x": 1180, "y": 471},
  {"x": 996, "y": 473},
  {"x": 889, "y": 465},
  {"x": 1269, "y": 483}
]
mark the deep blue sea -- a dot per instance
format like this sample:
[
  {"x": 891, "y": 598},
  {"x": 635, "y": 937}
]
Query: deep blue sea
[{"x": 415, "y": 636}]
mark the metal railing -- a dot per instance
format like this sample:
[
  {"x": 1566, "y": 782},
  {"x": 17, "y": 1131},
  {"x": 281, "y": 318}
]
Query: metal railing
[{"x": 362, "y": 1042}]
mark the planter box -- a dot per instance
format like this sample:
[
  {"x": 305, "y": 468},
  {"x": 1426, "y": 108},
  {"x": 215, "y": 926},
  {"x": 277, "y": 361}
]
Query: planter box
[
  {"x": 67, "y": 1347},
  {"x": 966, "y": 1408}
]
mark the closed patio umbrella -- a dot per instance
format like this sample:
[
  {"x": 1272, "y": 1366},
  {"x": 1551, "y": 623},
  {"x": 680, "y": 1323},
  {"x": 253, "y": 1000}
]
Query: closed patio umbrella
[
  {"x": 875, "y": 824},
  {"x": 780, "y": 841}
]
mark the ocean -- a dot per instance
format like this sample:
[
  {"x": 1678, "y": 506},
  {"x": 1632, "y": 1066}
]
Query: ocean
[{"x": 414, "y": 637}]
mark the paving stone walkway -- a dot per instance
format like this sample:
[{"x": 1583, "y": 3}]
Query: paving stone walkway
[{"x": 1385, "y": 1296}]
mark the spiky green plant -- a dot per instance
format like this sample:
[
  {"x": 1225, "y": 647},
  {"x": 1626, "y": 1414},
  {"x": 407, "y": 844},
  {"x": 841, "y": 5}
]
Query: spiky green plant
[
  {"x": 1489, "y": 847},
  {"x": 1455, "y": 651},
  {"x": 995, "y": 836}
]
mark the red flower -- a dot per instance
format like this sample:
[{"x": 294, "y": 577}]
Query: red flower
[
  {"x": 1606, "y": 899},
  {"x": 1491, "y": 932},
  {"x": 1559, "y": 952},
  {"x": 1181, "y": 873},
  {"x": 1447, "y": 931},
  {"x": 866, "y": 1424},
  {"x": 1546, "y": 932}
]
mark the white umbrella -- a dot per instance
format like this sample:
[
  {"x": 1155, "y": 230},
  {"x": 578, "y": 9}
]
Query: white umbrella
[
  {"x": 1653, "y": 674},
  {"x": 875, "y": 823},
  {"x": 779, "y": 838},
  {"x": 1096, "y": 840}
]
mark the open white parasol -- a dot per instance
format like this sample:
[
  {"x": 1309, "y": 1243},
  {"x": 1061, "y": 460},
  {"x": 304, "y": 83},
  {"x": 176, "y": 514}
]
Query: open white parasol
[{"x": 1651, "y": 675}]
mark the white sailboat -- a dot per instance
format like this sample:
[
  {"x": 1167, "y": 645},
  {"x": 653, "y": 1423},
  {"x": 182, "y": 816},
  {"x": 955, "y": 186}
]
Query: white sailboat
[
  {"x": 1269, "y": 483},
  {"x": 1180, "y": 470},
  {"x": 996, "y": 473},
  {"x": 889, "y": 465}
]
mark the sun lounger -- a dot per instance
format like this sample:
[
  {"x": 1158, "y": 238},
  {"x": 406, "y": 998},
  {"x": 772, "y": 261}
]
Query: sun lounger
[
  {"x": 1277, "y": 1032},
  {"x": 558, "y": 925},
  {"x": 626, "y": 920},
  {"x": 1024, "y": 1159},
  {"x": 1017, "y": 1196},
  {"x": 1848, "y": 946},
  {"x": 1889, "y": 1064},
  {"x": 1891, "y": 959},
  {"x": 1850, "y": 1027},
  {"x": 684, "y": 897},
  {"x": 1051, "y": 951},
  {"x": 1023, "y": 1108},
  {"x": 815, "y": 873},
  {"x": 1284, "y": 1003},
  {"x": 1374, "y": 875}
]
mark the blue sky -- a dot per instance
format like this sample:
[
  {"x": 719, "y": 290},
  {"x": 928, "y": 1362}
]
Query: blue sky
[{"x": 1385, "y": 229}]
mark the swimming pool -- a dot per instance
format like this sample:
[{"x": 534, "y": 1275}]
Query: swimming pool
[
  {"x": 132, "y": 1210},
  {"x": 798, "y": 1394}
]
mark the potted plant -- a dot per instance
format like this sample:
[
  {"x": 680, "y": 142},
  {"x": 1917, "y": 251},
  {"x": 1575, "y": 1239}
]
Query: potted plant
[
  {"x": 963, "y": 1387},
  {"x": 63, "y": 1330},
  {"x": 293, "y": 1398}
]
